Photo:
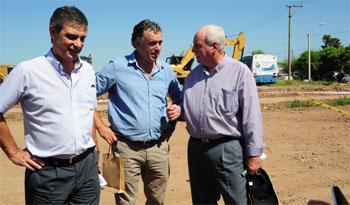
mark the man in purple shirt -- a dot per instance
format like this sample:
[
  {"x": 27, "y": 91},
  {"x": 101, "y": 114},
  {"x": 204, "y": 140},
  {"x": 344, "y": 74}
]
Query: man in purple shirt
[
  {"x": 57, "y": 93},
  {"x": 222, "y": 111}
]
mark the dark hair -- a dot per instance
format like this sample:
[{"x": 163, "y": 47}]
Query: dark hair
[
  {"x": 137, "y": 33},
  {"x": 64, "y": 14}
]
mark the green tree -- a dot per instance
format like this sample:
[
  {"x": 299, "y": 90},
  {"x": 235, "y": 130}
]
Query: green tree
[
  {"x": 255, "y": 52},
  {"x": 87, "y": 58},
  {"x": 332, "y": 58},
  {"x": 283, "y": 66},
  {"x": 302, "y": 65},
  {"x": 345, "y": 58},
  {"x": 330, "y": 42}
]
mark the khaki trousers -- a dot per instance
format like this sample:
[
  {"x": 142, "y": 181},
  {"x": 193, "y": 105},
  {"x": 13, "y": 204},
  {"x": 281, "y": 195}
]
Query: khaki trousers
[{"x": 149, "y": 163}]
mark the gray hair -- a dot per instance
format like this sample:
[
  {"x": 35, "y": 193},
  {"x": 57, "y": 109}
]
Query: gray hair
[
  {"x": 215, "y": 34},
  {"x": 137, "y": 34}
]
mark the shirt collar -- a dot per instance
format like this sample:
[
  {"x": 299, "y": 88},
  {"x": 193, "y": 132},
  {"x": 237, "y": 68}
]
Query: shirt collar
[
  {"x": 217, "y": 68},
  {"x": 132, "y": 60},
  {"x": 58, "y": 66}
]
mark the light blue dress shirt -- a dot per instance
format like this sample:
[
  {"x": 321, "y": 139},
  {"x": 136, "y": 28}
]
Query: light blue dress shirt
[
  {"x": 57, "y": 108},
  {"x": 224, "y": 102},
  {"x": 137, "y": 105}
]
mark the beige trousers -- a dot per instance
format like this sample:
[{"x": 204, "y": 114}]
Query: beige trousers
[{"x": 152, "y": 164}]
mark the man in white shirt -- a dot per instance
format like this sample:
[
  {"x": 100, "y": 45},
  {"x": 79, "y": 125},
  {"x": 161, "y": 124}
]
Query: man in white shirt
[{"x": 58, "y": 96}]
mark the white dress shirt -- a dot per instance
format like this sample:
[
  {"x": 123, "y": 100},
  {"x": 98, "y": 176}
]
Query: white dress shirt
[{"x": 57, "y": 108}]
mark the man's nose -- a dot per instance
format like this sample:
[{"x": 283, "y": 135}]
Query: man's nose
[
  {"x": 158, "y": 46},
  {"x": 78, "y": 43}
]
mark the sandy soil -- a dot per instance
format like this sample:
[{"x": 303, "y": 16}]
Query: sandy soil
[{"x": 308, "y": 152}]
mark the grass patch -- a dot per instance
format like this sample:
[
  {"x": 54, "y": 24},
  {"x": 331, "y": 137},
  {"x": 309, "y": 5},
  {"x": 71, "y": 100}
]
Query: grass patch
[
  {"x": 298, "y": 103},
  {"x": 334, "y": 102},
  {"x": 327, "y": 83},
  {"x": 340, "y": 101},
  {"x": 295, "y": 83},
  {"x": 304, "y": 83}
]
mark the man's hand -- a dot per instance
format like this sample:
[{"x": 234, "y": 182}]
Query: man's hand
[
  {"x": 16, "y": 155},
  {"x": 107, "y": 134},
  {"x": 24, "y": 158},
  {"x": 173, "y": 112},
  {"x": 254, "y": 165}
]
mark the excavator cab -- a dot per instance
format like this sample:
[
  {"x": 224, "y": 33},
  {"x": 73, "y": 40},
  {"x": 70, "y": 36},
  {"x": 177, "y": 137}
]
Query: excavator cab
[
  {"x": 174, "y": 60},
  {"x": 181, "y": 65}
]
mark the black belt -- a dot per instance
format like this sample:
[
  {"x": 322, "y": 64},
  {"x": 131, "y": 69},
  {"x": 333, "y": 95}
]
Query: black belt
[
  {"x": 143, "y": 144},
  {"x": 52, "y": 161},
  {"x": 217, "y": 140}
]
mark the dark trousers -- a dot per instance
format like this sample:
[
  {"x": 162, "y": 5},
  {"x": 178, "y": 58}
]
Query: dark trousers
[
  {"x": 215, "y": 169},
  {"x": 74, "y": 184}
]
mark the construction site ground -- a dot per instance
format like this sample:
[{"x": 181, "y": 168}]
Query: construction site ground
[{"x": 308, "y": 150}]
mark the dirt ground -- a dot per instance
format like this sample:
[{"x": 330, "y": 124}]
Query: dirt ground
[{"x": 308, "y": 152}]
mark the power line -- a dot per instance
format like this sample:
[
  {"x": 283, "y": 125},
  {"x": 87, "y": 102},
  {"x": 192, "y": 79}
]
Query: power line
[
  {"x": 260, "y": 21},
  {"x": 311, "y": 2},
  {"x": 273, "y": 18},
  {"x": 284, "y": 43},
  {"x": 340, "y": 32},
  {"x": 302, "y": 37},
  {"x": 269, "y": 17}
]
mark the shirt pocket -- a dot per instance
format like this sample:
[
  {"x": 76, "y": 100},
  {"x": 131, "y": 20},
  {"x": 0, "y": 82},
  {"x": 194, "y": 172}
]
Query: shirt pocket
[
  {"x": 87, "y": 96},
  {"x": 228, "y": 102}
]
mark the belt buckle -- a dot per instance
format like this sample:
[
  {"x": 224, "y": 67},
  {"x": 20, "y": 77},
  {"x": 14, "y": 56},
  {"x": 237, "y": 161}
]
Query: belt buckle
[{"x": 205, "y": 140}]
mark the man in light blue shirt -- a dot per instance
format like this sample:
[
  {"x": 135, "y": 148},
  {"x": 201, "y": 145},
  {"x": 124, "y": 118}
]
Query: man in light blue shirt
[
  {"x": 57, "y": 94},
  {"x": 138, "y": 85},
  {"x": 222, "y": 111}
]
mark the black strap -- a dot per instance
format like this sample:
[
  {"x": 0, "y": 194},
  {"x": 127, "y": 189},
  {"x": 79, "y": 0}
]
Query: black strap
[{"x": 113, "y": 148}]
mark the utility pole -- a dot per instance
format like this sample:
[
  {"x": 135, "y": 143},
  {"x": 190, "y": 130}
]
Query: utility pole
[
  {"x": 309, "y": 49},
  {"x": 289, "y": 31}
]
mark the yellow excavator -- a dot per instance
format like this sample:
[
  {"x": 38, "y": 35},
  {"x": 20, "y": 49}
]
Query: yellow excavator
[
  {"x": 182, "y": 64},
  {"x": 5, "y": 69}
]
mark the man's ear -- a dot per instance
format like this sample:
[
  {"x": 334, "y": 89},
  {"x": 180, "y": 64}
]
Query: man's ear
[
  {"x": 52, "y": 33},
  {"x": 215, "y": 47},
  {"x": 137, "y": 43}
]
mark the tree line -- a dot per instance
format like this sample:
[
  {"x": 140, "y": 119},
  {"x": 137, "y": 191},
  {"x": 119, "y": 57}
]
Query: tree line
[{"x": 333, "y": 59}]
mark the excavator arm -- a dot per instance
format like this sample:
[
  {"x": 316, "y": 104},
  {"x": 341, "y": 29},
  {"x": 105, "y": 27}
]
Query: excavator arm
[
  {"x": 187, "y": 58},
  {"x": 179, "y": 68},
  {"x": 2, "y": 77},
  {"x": 4, "y": 71},
  {"x": 238, "y": 45}
]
